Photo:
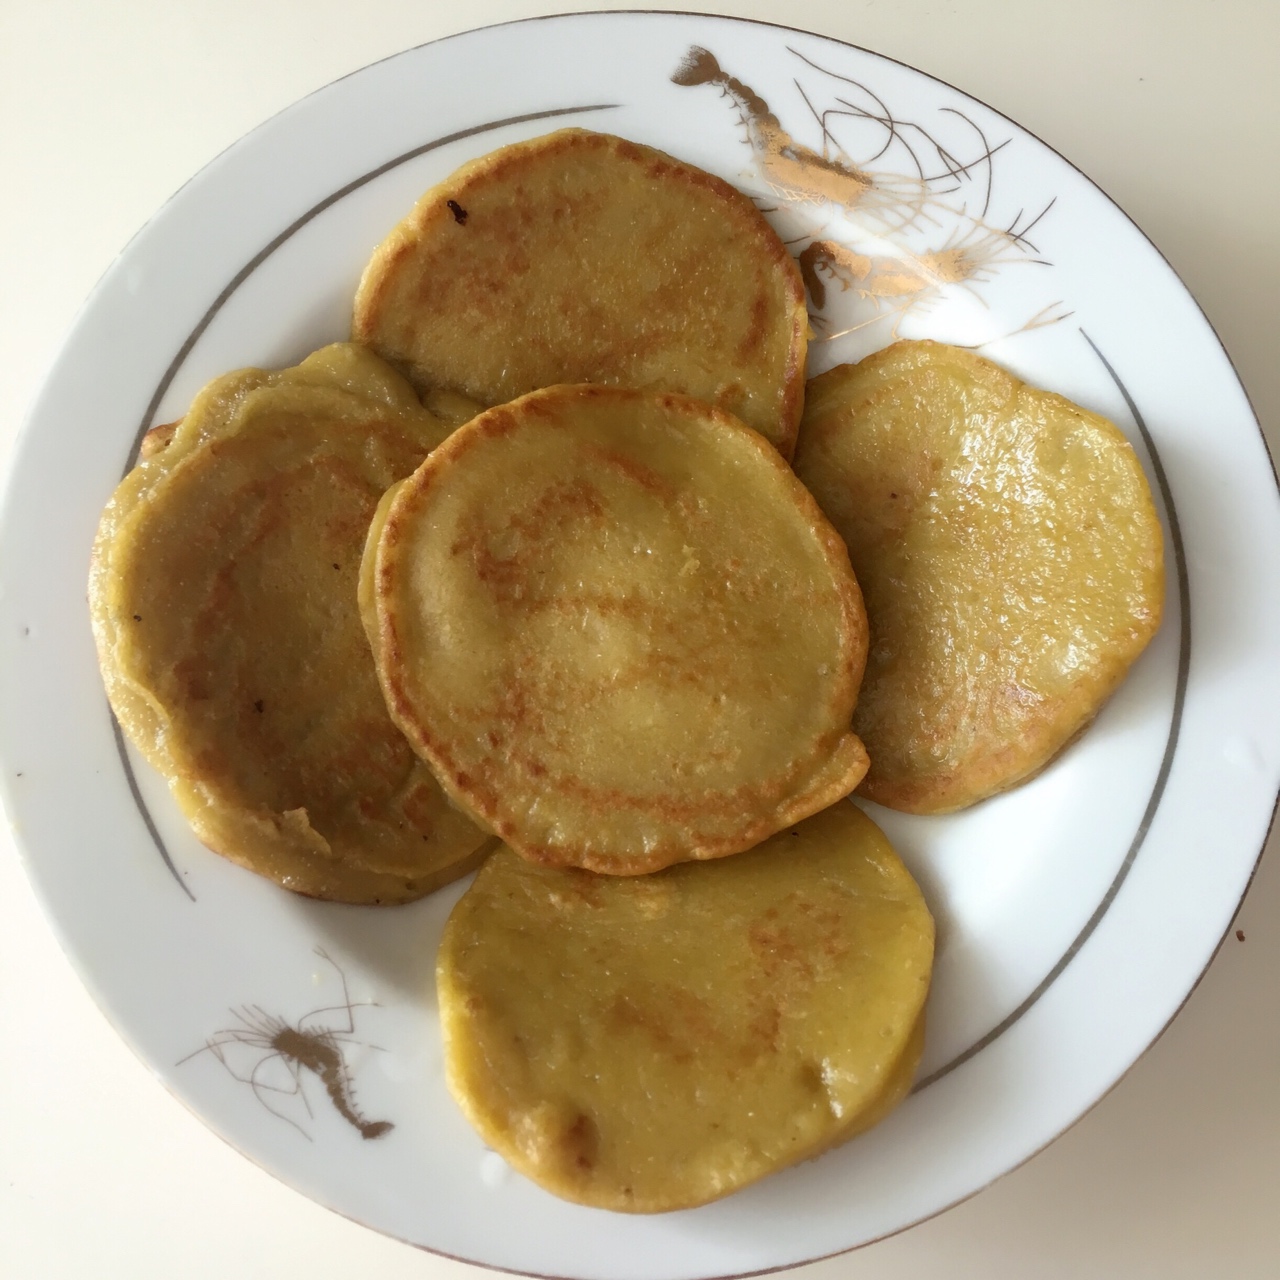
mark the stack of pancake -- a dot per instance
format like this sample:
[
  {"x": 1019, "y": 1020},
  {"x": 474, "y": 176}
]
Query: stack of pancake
[{"x": 524, "y": 567}]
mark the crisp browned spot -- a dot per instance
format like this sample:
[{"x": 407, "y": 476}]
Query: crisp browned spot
[{"x": 581, "y": 1143}]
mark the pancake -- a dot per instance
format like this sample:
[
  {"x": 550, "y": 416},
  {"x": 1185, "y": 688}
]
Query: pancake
[
  {"x": 1011, "y": 557},
  {"x": 619, "y": 630},
  {"x": 653, "y": 1043},
  {"x": 581, "y": 257},
  {"x": 223, "y": 596}
]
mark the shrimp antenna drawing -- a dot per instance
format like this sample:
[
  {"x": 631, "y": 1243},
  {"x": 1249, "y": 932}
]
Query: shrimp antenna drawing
[
  {"x": 792, "y": 170},
  {"x": 892, "y": 215},
  {"x": 270, "y": 1055},
  {"x": 908, "y": 138},
  {"x": 881, "y": 198}
]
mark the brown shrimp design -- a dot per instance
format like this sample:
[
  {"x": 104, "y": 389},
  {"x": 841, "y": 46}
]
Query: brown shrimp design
[
  {"x": 894, "y": 286},
  {"x": 908, "y": 261},
  {"x": 264, "y": 1045},
  {"x": 794, "y": 171}
]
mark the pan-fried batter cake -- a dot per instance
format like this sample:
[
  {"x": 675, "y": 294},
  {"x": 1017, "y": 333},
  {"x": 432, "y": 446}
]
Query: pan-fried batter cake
[
  {"x": 1011, "y": 557},
  {"x": 581, "y": 257},
  {"x": 223, "y": 595},
  {"x": 652, "y": 1043},
  {"x": 619, "y": 629}
]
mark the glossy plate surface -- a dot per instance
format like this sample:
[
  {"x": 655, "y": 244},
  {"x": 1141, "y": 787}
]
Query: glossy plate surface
[{"x": 1075, "y": 914}]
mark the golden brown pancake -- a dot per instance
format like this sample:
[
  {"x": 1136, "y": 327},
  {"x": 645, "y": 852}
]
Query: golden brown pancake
[
  {"x": 619, "y": 630},
  {"x": 1011, "y": 558},
  {"x": 653, "y": 1043},
  {"x": 581, "y": 257},
  {"x": 223, "y": 594}
]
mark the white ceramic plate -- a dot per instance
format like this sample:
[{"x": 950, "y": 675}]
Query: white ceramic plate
[{"x": 1075, "y": 913}]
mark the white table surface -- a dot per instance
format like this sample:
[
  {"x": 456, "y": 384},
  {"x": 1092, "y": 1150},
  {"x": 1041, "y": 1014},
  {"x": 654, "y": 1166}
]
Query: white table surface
[{"x": 106, "y": 108}]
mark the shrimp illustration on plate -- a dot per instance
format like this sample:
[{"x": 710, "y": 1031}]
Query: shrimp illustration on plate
[
  {"x": 277, "y": 1058},
  {"x": 887, "y": 219},
  {"x": 891, "y": 287},
  {"x": 794, "y": 172}
]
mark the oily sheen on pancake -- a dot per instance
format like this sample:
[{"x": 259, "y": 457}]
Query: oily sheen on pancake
[
  {"x": 581, "y": 257},
  {"x": 223, "y": 595},
  {"x": 653, "y": 1043},
  {"x": 619, "y": 629},
  {"x": 1011, "y": 557}
]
